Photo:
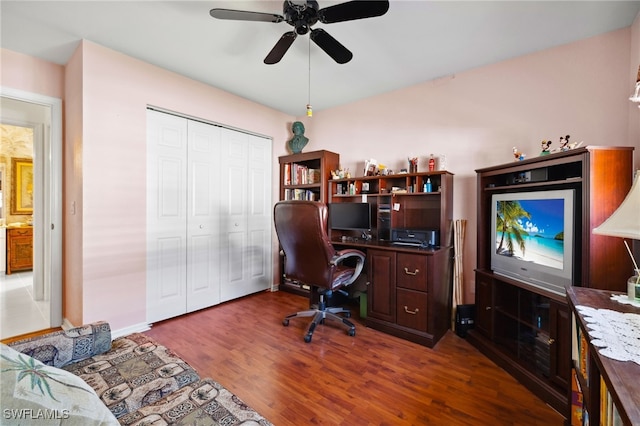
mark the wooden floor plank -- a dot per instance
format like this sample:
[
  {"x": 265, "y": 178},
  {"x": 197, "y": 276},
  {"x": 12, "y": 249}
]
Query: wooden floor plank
[{"x": 370, "y": 379}]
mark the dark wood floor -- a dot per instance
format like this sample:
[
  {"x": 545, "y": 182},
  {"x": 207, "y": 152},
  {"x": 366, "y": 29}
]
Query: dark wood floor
[{"x": 369, "y": 379}]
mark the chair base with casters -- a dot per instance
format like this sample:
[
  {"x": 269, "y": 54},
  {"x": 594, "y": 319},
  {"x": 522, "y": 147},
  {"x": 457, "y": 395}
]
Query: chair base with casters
[{"x": 322, "y": 313}]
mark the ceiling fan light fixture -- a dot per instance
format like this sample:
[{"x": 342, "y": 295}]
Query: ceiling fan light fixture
[
  {"x": 301, "y": 27},
  {"x": 302, "y": 15}
]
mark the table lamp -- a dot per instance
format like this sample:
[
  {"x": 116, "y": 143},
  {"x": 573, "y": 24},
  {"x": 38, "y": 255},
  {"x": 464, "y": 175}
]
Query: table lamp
[{"x": 625, "y": 223}]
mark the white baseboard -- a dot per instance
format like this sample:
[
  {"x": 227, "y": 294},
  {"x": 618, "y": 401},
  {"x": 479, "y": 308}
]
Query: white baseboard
[
  {"x": 136, "y": 328},
  {"x": 66, "y": 325}
]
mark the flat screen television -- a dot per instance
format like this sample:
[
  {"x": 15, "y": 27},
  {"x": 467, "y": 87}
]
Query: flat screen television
[
  {"x": 350, "y": 216},
  {"x": 533, "y": 239}
]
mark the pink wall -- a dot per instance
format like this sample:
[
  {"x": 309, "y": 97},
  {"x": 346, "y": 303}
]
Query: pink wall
[
  {"x": 476, "y": 117},
  {"x": 116, "y": 90},
  {"x": 634, "y": 111},
  {"x": 72, "y": 193},
  {"x": 31, "y": 74}
]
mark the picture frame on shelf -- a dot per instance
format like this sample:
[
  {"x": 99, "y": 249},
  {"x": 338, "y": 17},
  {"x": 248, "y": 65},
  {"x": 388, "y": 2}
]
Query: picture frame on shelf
[{"x": 370, "y": 167}]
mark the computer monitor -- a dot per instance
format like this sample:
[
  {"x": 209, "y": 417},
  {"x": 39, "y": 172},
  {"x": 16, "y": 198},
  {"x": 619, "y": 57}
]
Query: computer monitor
[{"x": 349, "y": 216}]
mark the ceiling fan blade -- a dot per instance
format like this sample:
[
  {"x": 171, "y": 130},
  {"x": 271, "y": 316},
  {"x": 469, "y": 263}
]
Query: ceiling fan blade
[
  {"x": 331, "y": 46},
  {"x": 280, "y": 48},
  {"x": 243, "y": 15},
  {"x": 353, "y": 10}
]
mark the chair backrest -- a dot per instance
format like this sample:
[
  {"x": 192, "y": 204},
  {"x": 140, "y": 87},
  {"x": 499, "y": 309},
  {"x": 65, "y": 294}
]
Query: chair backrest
[{"x": 302, "y": 230}]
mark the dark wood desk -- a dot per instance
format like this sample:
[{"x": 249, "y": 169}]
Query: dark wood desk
[
  {"x": 620, "y": 377},
  {"x": 409, "y": 289}
]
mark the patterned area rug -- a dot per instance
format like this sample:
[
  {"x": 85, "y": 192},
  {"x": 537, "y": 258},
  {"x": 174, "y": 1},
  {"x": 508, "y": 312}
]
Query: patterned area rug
[{"x": 144, "y": 383}]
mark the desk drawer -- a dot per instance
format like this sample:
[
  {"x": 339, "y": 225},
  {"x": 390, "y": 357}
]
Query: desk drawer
[
  {"x": 411, "y": 309},
  {"x": 412, "y": 271}
]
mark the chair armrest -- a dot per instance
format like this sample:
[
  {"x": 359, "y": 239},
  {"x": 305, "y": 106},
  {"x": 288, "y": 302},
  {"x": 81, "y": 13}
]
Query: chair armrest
[{"x": 342, "y": 255}]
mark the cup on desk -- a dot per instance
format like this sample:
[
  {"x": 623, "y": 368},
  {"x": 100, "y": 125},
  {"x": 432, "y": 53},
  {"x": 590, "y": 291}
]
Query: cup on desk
[{"x": 633, "y": 288}]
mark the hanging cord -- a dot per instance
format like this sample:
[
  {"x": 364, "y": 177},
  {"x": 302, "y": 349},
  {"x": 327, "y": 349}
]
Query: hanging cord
[{"x": 309, "y": 109}]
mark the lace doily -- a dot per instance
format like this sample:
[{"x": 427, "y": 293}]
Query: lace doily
[
  {"x": 624, "y": 299},
  {"x": 615, "y": 334}
]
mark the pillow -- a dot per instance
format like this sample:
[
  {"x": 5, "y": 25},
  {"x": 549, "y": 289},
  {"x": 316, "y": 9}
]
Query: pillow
[
  {"x": 33, "y": 392},
  {"x": 67, "y": 346}
]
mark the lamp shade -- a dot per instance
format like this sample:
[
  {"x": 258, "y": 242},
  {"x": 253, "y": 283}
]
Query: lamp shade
[{"x": 625, "y": 221}]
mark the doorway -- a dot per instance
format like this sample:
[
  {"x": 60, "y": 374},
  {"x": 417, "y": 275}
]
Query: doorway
[{"x": 41, "y": 116}]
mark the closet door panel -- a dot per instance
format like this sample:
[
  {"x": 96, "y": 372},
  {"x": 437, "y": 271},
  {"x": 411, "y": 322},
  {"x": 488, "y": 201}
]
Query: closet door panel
[
  {"x": 259, "y": 218},
  {"x": 203, "y": 257},
  {"x": 166, "y": 216},
  {"x": 234, "y": 223}
]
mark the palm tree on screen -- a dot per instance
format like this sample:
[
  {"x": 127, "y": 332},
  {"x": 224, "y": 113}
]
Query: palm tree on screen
[{"x": 508, "y": 224}]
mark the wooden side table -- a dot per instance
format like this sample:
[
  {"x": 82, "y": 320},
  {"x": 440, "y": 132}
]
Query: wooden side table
[{"x": 19, "y": 249}]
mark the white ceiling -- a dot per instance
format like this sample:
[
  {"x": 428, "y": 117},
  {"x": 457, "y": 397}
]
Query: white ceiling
[{"x": 415, "y": 41}]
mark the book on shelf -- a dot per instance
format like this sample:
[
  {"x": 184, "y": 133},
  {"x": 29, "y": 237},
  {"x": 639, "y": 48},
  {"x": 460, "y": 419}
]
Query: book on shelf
[
  {"x": 287, "y": 174},
  {"x": 609, "y": 415},
  {"x": 314, "y": 176},
  {"x": 299, "y": 174},
  {"x": 577, "y": 405},
  {"x": 300, "y": 194},
  {"x": 583, "y": 355}
]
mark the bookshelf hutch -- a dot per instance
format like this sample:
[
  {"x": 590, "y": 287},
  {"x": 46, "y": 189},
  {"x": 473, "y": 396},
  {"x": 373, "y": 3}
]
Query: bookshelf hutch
[
  {"x": 409, "y": 288},
  {"x": 305, "y": 176}
]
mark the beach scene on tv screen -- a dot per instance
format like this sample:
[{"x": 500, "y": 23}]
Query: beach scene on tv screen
[{"x": 531, "y": 230}]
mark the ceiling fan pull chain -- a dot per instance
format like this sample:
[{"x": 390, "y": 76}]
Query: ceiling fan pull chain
[{"x": 309, "y": 108}]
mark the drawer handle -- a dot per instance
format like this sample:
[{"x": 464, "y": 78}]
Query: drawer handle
[
  {"x": 488, "y": 308},
  {"x": 406, "y": 309},
  {"x": 552, "y": 341},
  {"x": 406, "y": 271}
]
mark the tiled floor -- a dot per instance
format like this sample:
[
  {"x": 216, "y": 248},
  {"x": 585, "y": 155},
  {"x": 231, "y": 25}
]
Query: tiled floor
[{"x": 19, "y": 313}]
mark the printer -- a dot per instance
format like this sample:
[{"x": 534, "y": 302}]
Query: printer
[{"x": 416, "y": 237}]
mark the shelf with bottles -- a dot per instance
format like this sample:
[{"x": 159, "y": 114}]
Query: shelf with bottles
[{"x": 403, "y": 183}]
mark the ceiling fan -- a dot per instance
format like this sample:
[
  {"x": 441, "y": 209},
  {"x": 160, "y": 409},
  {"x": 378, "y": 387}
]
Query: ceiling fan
[{"x": 302, "y": 15}]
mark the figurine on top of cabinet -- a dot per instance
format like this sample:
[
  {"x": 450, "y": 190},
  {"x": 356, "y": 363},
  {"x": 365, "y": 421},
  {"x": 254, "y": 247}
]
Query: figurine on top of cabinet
[
  {"x": 519, "y": 155},
  {"x": 546, "y": 147},
  {"x": 299, "y": 140},
  {"x": 566, "y": 146}
]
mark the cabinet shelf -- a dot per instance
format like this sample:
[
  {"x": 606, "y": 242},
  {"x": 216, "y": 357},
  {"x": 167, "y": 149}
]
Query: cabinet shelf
[
  {"x": 302, "y": 186},
  {"x": 541, "y": 325},
  {"x": 413, "y": 209},
  {"x": 532, "y": 185}
]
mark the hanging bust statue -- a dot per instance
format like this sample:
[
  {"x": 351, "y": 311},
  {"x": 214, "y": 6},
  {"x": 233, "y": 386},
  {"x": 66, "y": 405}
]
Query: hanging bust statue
[{"x": 298, "y": 141}]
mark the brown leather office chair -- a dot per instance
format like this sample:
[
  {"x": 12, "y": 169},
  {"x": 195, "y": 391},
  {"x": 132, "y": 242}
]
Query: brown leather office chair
[{"x": 311, "y": 259}]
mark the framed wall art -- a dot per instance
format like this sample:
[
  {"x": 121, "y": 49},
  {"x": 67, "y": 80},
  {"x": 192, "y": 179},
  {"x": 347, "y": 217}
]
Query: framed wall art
[{"x": 22, "y": 186}]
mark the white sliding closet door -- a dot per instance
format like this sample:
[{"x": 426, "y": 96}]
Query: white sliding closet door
[
  {"x": 166, "y": 216},
  {"x": 247, "y": 225},
  {"x": 203, "y": 216},
  {"x": 208, "y": 214}
]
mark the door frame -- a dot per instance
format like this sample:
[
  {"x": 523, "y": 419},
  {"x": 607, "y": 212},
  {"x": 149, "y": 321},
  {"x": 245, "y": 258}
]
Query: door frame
[{"x": 49, "y": 240}]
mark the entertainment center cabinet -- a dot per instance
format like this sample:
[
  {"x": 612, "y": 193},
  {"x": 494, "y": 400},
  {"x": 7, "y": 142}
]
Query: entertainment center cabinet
[{"x": 526, "y": 329}]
